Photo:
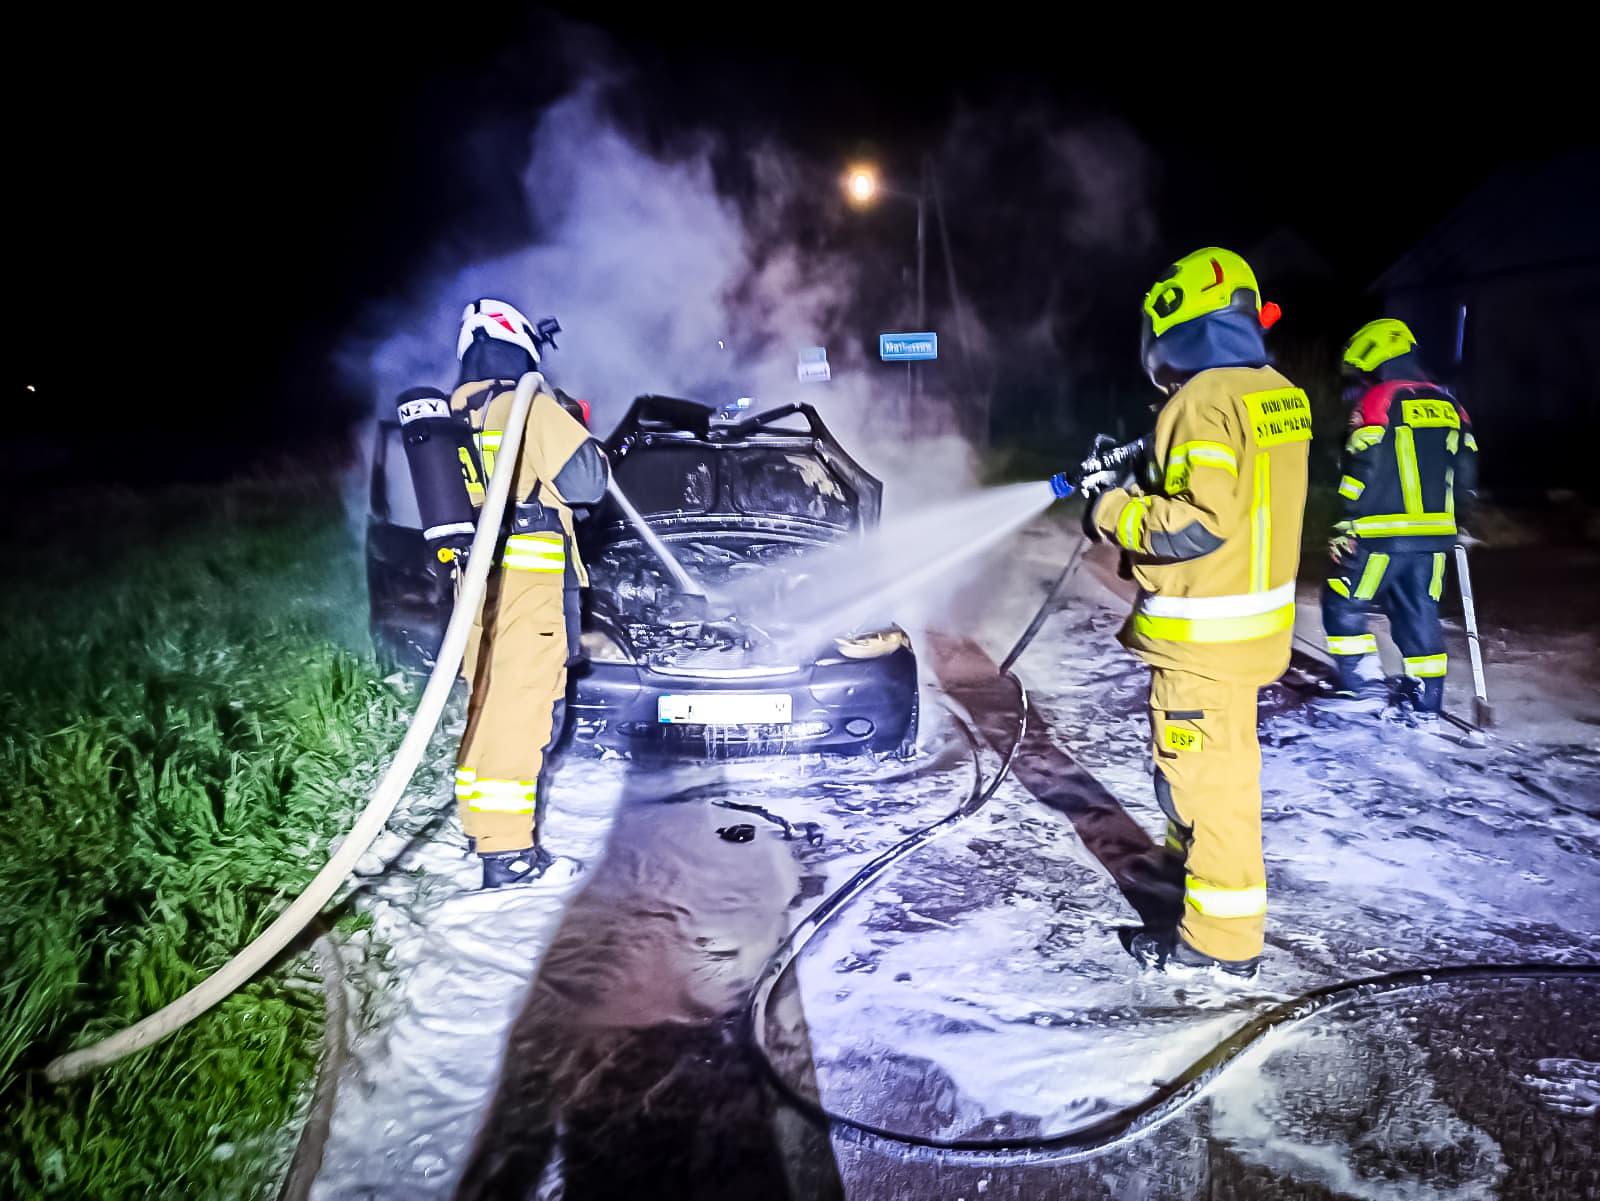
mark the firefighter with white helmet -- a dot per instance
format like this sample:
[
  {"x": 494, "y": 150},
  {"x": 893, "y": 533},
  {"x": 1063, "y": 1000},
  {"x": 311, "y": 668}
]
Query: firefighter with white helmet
[
  {"x": 1409, "y": 477},
  {"x": 1212, "y": 536},
  {"x": 526, "y": 632}
]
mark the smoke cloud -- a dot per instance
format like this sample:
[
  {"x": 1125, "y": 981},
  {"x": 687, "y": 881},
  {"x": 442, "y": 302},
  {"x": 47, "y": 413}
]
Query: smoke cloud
[
  {"x": 653, "y": 275},
  {"x": 667, "y": 280}
]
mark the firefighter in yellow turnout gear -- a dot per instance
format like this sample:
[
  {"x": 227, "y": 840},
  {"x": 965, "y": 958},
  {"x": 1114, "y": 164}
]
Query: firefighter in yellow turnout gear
[
  {"x": 1212, "y": 535},
  {"x": 526, "y": 632}
]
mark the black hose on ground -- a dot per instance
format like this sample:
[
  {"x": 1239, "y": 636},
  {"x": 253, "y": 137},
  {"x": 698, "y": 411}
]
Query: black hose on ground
[
  {"x": 1046, "y": 608},
  {"x": 790, "y": 948},
  {"x": 1169, "y": 1098}
]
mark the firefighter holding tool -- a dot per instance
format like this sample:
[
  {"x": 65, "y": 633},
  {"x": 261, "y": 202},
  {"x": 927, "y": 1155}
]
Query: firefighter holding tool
[
  {"x": 1410, "y": 472},
  {"x": 1211, "y": 533}
]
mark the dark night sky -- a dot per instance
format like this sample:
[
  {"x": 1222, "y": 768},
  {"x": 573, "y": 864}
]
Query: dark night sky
[{"x": 211, "y": 217}]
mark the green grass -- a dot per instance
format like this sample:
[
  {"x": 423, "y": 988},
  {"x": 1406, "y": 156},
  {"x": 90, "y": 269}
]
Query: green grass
[{"x": 190, "y": 714}]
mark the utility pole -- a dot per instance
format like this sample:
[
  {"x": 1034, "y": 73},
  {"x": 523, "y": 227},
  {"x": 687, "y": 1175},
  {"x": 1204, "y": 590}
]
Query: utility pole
[
  {"x": 862, "y": 186},
  {"x": 978, "y": 397},
  {"x": 922, "y": 277}
]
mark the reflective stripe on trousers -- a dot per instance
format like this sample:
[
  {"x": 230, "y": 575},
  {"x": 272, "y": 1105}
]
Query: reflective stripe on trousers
[
  {"x": 482, "y": 795},
  {"x": 1360, "y": 644},
  {"x": 519, "y": 679},
  {"x": 1250, "y": 901},
  {"x": 1425, "y": 667}
]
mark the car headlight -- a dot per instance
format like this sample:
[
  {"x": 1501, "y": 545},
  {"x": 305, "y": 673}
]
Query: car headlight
[
  {"x": 603, "y": 648},
  {"x": 873, "y": 645}
]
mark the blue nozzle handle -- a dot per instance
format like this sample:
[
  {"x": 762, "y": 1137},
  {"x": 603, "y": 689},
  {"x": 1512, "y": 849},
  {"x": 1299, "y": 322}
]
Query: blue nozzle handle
[{"x": 1061, "y": 485}]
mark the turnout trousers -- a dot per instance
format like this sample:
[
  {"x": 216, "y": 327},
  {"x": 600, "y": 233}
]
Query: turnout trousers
[
  {"x": 1208, "y": 783},
  {"x": 1405, "y": 585},
  {"x": 516, "y": 663}
]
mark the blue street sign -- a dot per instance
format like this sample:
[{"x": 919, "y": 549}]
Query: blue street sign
[{"x": 896, "y": 348}]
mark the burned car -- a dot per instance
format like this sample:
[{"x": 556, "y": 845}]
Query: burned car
[
  {"x": 695, "y": 633},
  {"x": 724, "y": 656}
]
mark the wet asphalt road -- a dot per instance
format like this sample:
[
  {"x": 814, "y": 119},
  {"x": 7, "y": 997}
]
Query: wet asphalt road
[
  {"x": 1455, "y": 1091},
  {"x": 630, "y": 1076}
]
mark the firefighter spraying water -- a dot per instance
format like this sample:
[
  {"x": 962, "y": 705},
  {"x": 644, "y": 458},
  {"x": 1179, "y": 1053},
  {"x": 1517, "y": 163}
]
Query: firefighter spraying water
[{"x": 1209, "y": 528}]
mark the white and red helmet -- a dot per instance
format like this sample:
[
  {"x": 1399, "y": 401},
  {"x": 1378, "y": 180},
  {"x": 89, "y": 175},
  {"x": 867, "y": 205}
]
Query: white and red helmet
[{"x": 500, "y": 321}]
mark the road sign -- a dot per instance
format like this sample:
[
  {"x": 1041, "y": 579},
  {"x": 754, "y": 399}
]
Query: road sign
[
  {"x": 899, "y": 348},
  {"x": 813, "y": 365}
]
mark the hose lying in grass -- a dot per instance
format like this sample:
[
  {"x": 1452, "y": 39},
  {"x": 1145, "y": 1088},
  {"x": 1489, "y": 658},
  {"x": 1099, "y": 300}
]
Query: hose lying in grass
[{"x": 385, "y": 797}]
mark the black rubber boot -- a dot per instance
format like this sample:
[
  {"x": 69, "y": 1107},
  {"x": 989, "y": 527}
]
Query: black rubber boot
[
  {"x": 1185, "y": 956},
  {"x": 1165, "y": 951},
  {"x": 1417, "y": 702},
  {"x": 501, "y": 868},
  {"x": 1352, "y": 696},
  {"x": 1149, "y": 947}
]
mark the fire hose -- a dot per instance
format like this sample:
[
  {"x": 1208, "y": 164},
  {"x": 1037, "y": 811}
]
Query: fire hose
[
  {"x": 1167, "y": 1098},
  {"x": 372, "y": 819}
]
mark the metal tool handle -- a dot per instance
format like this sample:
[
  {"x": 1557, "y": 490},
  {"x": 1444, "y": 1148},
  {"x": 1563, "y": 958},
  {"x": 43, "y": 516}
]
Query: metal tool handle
[{"x": 1481, "y": 711}]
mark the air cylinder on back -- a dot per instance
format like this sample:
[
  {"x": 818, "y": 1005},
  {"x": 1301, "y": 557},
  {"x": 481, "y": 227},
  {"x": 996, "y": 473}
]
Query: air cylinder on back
[{"x": 444, "y": 463}]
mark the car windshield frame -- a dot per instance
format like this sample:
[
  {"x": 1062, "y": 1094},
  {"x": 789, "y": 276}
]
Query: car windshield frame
[{"x": 725, "y": 474}]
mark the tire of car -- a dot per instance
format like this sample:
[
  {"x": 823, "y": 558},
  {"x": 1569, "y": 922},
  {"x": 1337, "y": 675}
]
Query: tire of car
[{"x": 908, "y": 743}]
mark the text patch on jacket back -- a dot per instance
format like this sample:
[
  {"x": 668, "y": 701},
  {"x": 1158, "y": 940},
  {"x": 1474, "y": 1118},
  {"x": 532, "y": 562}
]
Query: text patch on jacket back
[
  {"x": 1282, "y": 415},
  {"x": 1425, "y": 413}
]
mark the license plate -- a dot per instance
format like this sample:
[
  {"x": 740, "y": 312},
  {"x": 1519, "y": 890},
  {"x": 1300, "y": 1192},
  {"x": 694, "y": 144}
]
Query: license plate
[{"x": 725, "y": 708}]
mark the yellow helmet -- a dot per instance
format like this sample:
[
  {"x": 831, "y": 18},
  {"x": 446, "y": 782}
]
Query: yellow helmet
[
  {"x": 1204, "y": 282},
  {"x": 1375, "y": 343}
]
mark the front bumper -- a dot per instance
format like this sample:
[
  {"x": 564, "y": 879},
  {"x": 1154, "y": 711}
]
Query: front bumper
[{"x": 839, "y": 706}]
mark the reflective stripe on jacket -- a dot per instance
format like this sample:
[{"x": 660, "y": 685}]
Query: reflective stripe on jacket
[
  {"x": 1408, "y": 463},
  {"x": 1216, "y": 548},
  {"x": 552, "y": 440}
]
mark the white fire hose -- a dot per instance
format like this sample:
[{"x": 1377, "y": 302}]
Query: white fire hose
[{"x": 385, "y": 797}]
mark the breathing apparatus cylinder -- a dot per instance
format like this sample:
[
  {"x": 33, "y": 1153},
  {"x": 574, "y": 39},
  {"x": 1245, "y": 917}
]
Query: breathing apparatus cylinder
[{"x": 445, "y": 469}]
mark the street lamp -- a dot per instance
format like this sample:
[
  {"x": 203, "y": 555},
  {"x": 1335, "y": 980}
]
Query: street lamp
[{"x": 863, "y": 186}]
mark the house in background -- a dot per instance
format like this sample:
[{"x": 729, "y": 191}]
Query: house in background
[{"x": 1504, "y": 298}]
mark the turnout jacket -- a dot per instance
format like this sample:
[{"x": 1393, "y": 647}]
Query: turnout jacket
[
  {"x": 559, "y": 464},
  {"x": 1409, "y": 463},
  {"x": 1214, "y": 538}
]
